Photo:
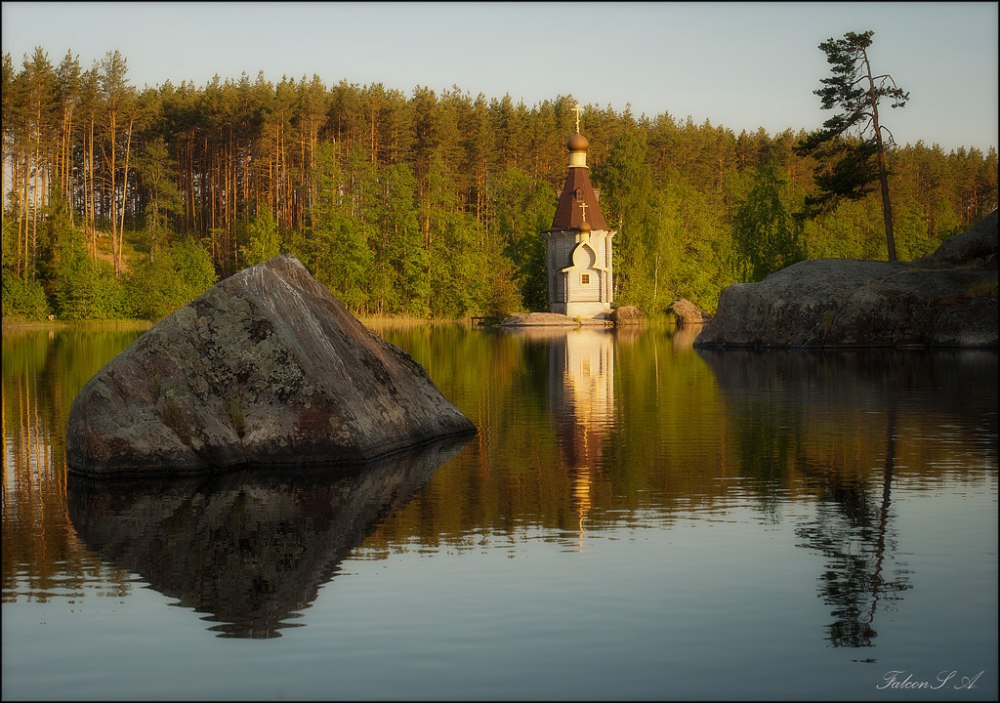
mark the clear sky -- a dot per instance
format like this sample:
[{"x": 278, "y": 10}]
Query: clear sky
[{"x": 739, "y": 65}]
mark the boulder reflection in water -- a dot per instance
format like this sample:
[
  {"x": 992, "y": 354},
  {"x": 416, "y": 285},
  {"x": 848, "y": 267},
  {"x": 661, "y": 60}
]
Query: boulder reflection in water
[{"x": 249, "y": 548}]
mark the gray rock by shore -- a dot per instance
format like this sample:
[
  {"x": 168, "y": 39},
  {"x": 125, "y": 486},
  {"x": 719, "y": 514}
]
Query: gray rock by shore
[
  {"x": 551, "y": 319},
  {"x": 266, "y": 368},
  {"x": 627, "y": 315},
  {"x": 687, "y": 313},
  {"x": 947, "y": 299}
]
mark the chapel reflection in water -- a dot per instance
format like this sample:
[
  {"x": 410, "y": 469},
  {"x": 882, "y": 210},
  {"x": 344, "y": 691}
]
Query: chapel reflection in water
[
  {"x": 248, "y": 548},
  {"x": 678, "y": 432},
  {"x": 581, "y": 393}
]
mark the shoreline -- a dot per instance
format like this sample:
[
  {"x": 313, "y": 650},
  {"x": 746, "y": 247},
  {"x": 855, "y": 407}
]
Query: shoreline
[{"x": 15, "y": 325}]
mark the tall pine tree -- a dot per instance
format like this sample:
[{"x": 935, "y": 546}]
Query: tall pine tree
[{"x": 852, "y": 166}]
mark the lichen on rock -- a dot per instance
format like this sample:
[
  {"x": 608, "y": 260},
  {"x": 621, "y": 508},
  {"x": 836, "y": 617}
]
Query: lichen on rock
[{"x": 266, "y": 368}]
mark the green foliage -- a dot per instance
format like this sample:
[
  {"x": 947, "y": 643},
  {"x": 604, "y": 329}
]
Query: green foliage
[
  {"x": 458, "y": 266},
  {"x": 627, "y": 187},
  {"x": 503, "y": 297},
  {"x": 79, "y": 286},
  {"x": 523, "y": 211},
  {"x": 404, "y": 250},
  {"x": 462, "y": 273},
  {"x": 156, "y": 168},
  {"x": 847, "y": 89},
  {"x": 337, "y": 251},
  {"x": 683, "y": 258},
  {"x": 850, "y": 232},
  {"x": 669, "y": 242},
  {"x": 56, "y": 234},
  {"x": 431, "y": 204},
  {"x": 86, "y": 289},
  {"x": 264, "y": 241},
  {"x": 23, "y": 300},
  {"x": 850, "y": 173},
  {"x": 766, "y": 236},
  {"x": 851, "y": 166},
  {"x": 162, "y": 284}
]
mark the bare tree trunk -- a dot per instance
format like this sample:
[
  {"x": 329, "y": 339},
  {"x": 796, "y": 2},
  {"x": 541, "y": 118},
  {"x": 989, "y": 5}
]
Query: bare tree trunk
[
  {"x": 90, "y": 195},
  {"x": 121, "y": 228},
  {"x": 883, "y": 177},
  {"x": 68, "y": 167},
  {"x": 883, "y": 174},
  {"x": 3, "y": 179},
  {"x": 22, "y": 254},
  {"x": 114, "y": 194},
  {"x": 16, "y": 186},
  {"x": 35, "y": 196}
]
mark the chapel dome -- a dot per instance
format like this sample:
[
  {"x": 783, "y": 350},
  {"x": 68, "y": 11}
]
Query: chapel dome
[
  {"x": 584, "y": 227},
  {"x": 577, "y": 142}
]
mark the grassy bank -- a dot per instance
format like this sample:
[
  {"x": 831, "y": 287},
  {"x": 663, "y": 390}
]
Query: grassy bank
[{"x": 14, "y": 324}]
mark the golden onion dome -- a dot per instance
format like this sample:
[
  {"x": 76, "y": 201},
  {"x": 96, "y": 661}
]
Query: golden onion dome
[
  {"x": 584, "y": 227},
  {"x": 577, "y": 142}
]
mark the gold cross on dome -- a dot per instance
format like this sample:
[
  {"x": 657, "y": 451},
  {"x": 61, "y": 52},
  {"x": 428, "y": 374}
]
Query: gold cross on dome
[
  {"x": 583, "y": 210},
  {"x": 577, "y": 111}
]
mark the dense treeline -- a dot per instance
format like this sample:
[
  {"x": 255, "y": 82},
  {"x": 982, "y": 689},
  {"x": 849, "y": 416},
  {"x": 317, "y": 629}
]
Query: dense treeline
[{"x": 126, "y": 202}]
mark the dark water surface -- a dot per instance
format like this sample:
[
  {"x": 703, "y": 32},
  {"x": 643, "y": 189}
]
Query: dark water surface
[{"x": 634, "y": 520}]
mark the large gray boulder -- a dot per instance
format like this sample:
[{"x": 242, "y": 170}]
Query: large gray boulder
[
  {"x": 266, "y": 368},
  {"x": 948, "y": 299}
]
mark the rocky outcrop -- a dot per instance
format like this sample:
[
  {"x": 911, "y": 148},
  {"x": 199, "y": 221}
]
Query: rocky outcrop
[
  {"x": 627, "y": 315},
  {"x": 266, "y": 368},
  {"x": 948, "y": 299},
  {"x": 976, "y": 248},
  {"x": 688, "y": 313}
]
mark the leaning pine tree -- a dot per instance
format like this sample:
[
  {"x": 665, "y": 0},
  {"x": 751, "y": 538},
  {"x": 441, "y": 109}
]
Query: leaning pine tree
[{"x": 850, "y": 166}]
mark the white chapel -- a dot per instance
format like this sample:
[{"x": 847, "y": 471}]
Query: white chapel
[{"x": 579, "y": 257}]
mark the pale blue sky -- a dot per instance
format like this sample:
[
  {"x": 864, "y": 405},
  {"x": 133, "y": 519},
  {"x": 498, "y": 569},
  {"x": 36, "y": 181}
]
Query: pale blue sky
[{"x": 740, "y": 65}]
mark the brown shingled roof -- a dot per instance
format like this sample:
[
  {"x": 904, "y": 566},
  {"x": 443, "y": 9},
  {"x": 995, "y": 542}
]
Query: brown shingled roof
[{"x": 569, "y": 214}]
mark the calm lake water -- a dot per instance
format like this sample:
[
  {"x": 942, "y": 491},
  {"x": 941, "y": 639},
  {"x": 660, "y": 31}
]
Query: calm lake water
[{"x": 635, "y": 519}]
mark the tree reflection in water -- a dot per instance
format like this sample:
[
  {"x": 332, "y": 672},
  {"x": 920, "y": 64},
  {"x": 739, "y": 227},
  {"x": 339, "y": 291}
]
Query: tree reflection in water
[
  {"x": 803, "y": 422},
  {"x": 249, "y": 548},
  {"x": 572, "y": 441},
  {"x": 852, "y": 531}
]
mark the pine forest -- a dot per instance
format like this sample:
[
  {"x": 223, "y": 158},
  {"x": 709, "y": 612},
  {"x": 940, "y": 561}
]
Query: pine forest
[{"x": 127, "y": 203}]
